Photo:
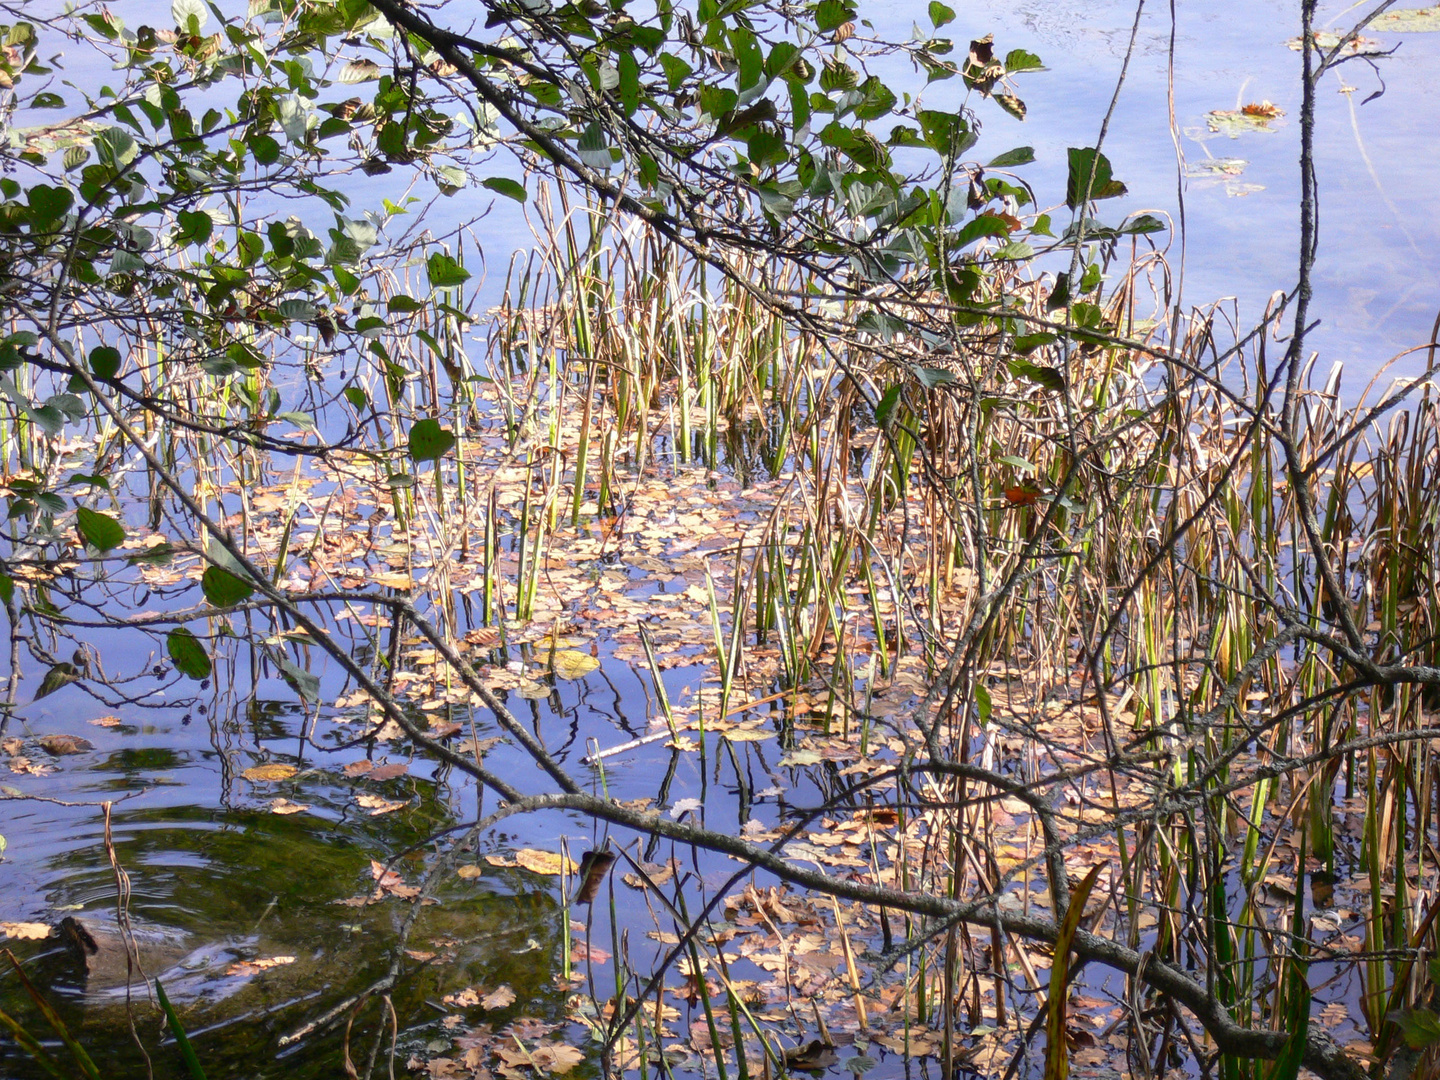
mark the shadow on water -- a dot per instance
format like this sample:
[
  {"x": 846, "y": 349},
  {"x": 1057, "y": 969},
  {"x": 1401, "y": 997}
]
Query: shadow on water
[{"x": 220, "y": 895}]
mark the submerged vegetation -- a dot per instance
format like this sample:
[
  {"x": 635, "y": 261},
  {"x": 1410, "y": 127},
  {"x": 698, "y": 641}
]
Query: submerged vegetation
[{"x": 1041, "y": 627}]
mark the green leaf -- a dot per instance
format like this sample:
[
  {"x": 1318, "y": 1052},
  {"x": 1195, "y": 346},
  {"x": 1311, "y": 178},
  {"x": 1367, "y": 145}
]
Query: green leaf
[
  {"x": 187, "y": 652},
  {"x": 1419, "y": 1027},
  {"x": 195, "y": 227},
  {"x": 223, "y": 589},
  {"x": 503, "y": 185},
  {"x": 189, "y": 15},
  {"x": 48, "y": 204},
  {"x": 940, "y": 14},
  {"x": 116, "y": 148},
  {"x": 1103, "y": 186},
  {"x": 187, "y": 1052},
  {"x": 445, "y": 272},
  {"x": 60, "y": 675},
  {"x": 1020, "y": 60},
  {"x": 1021, "y": 155},
  {"x": 104, "y": 362},
  {"x": 47, "y": 100},
  {"x": 1142, "y": 224},
  {"x": 100, "y": 531},
  {"x": 264, "y": 149},
  {"x": 429, "y": 441},
  {"x": 832, "y": 14},
  {"x": 301, "y": 681},
  {"x": 676, "y": 70}
]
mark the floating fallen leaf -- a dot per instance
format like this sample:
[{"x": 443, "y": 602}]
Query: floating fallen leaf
[
  {"x": 246, "y": 968},
  {"x": 378, "y": 804},
  {"x": 358, "y": 768},
  {"x": 537, "y": 862},
  {"x": 269, "y": 773},
  {"x": 584, "y": 951},
  {"x": 285, "y": 806},
  {"x": 25, "y": 931},
  {"x": 553, "y": 1059},
  {"x": 800, "y": 758},
  {"x": 60, "y": 745},
  {"x": 501, "y": 997},
  {"x": 388, "y": 772},
  {"x": 469, "y": 871},
  {"x": 533, "y": 691},
  {"x": 107, "y": 721},
  {"x": 572, "y": 664}
]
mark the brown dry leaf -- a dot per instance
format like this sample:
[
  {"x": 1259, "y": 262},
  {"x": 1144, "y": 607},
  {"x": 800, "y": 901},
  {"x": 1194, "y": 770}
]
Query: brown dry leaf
[
  {"x": 584, "y": 951},
  {"x": 12, "y": 745},
  {"x": 377, "y": 804},
  {"x": 389, "y": 772},
  {"x": 270, "y": 773},
  {"x": 60, "y": 745},
  {"x": 246, "y": 968},
  {"x": 285, "y": 806},
  {"x": 107, "y": 721},
  {"x": 358, "y": 768},
  {"x": 462, "y": 999},
  {"x": 544, "y": 862},
  {"x": 25, "y": 931},
  {"x": 469, "y": 871},
  {"x": 502, "y": 997}
]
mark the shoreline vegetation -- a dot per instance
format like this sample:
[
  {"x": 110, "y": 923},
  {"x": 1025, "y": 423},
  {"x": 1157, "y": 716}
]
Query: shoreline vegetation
[{"x": 1089, "y": 633}]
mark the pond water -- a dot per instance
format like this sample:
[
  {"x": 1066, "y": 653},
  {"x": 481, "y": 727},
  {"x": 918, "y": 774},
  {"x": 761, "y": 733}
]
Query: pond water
[{"x": 207, "y": 857}]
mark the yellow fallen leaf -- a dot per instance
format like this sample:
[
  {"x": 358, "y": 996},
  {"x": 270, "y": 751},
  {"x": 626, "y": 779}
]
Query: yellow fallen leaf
[
  {"x": 572, "y": 664},
  {"x": 25, "y": 931},
  {"x": 285, "y": 806},
  {"x": 270, "y": 773},
  {"x": 247, "y": 968},
  {"x": 544, "y": 862},
  {"x": 107, "y": 721},
  {"x": 469, "y": 870}
]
